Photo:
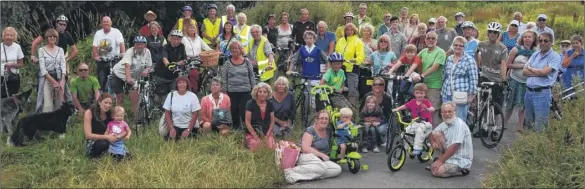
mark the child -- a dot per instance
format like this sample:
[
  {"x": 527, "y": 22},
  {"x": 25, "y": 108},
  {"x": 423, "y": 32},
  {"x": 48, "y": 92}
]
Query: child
[
  {"x": 422, "y": 108},
  {"x": 372, "y": 118},
  {"x": 120, "y": 129},
  {"x": 342, "y": 131},
  {"x": 411, "y": 60},
  {"x": 334, "y": 77}
]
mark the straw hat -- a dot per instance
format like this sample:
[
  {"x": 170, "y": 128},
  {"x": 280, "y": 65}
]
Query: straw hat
[{"x": 150, "y": 12}]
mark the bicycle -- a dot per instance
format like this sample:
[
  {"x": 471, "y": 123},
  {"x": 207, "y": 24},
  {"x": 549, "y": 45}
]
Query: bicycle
[
  {"x": 205, "y": 76},
  {"x": 303, "y": 101},
  {"x": 111, "y": 61},
  {"x": 400, "y": 148},
  {"x": 285, "y": 55},
  {"x": 146, "y": 108},
  {"x": 486, "y": 119}
]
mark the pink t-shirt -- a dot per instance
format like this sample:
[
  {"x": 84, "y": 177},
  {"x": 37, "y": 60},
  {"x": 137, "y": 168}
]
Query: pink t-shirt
[
  {"x": 117, "y": 127},
  {"x": 207, "y": 105},
  {"x": 415, "y": 109}
]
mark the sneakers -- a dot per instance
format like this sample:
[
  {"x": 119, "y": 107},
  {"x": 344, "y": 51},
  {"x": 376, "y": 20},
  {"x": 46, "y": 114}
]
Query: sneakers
[
  {"x": 383, "y": 144},
  {"x": 364, "y": 150},
  {"x": 376, "y": 150},
  {"x": 342, "y": 161},
  {"x": 416, "y": 152}
]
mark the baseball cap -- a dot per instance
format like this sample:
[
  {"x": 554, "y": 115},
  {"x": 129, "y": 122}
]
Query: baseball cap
[
  {"x": 515, "y": 22},
  {"x": 433, "y": 20},
  {"x": 542, "y": 16}
]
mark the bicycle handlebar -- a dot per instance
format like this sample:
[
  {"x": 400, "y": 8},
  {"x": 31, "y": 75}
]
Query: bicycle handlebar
[
  {"x": 399, "y": 117},
  {"x": 323, "y": 89}
]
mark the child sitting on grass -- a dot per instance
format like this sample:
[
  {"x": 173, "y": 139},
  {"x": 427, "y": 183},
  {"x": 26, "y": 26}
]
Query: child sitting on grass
[
  {"x": 421, "y": 108},
  {"x": 372, "y": 118},
  {"x": 118, "y": 128},
  {"x": 342, "y": 131}
]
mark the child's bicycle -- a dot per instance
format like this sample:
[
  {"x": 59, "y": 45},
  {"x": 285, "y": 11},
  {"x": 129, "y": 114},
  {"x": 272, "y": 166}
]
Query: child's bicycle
[
  {"x": 397, "y": 155},
  {"x": 352, "y": 155}
]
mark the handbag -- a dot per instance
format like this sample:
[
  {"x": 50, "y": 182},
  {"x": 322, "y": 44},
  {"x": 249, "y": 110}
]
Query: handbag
[
  {"x": 458, "y": 97},
  {"x": 163, "y": 128},
  {"x": 9, "y": 75},
  {"x": 286, "y": 154},
  {"x": 219, "y": 115}
]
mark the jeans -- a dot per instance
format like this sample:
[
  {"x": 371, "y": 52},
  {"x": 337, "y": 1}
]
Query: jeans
[
  {"x": 537, "y": 109},
  {"x": 461, "y": 109},
  {"x": 372, "y": 136}
]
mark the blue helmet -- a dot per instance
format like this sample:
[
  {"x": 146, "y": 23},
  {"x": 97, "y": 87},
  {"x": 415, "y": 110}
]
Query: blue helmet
[
  {"x": 139, "y": 39},
  {"x": 335, "y": 57},
  {"x": 187, "y": 8}
]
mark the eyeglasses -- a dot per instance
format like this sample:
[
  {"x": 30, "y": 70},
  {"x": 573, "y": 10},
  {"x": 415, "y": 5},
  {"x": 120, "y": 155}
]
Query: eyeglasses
[
  {"x": 458, "y": 45},
  {"x": 493, "y": 32},
  {"x": 543, "y": 41},
  {"x": 514, "y": 25},
  {"x": 323, "y": 118},
  {"x": 379, "y": 84},
  {"x": 541, "y": 20},
  {"x": 83, "y": 70}
]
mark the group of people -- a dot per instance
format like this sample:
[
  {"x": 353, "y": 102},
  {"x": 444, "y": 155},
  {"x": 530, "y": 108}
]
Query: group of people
[{"x": 448, "y": 64}]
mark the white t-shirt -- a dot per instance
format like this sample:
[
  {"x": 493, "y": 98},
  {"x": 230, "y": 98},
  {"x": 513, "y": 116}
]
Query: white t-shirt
[
  {"x": 108, "y": 44},
  {"x": 193, "y": 47},
  {"x": 13, "y": 53},
  {"x": 183, "y": 108},
  {"x": 137, "y": 63}
]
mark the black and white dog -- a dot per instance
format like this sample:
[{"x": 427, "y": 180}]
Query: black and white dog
[
  {"x": 11, "y": 107},
  {"x": 55, "y": 121}
]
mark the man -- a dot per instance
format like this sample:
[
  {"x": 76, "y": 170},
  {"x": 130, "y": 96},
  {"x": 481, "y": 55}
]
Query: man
[
  {"x": 433, "y": 59},
  {"x": 211, "y": 26},
  {"x": 398, "y": 39},
  {"x": 383, "y": 28},
  {"x": 187, "y": 13},
  {"x": 301, "y": 26},
  {"x": 431, "y": 25},
  {"x": 135, "y": 64},
  {"x": 270, "y": 31},
  {"x": 452, "y": 140},
  {"x": 325, "y": 39},
  {"x": 521, "y": 25},
  {"x": 363, "y": 18},
  {"x": 340, "y": 31},
  {"x": 446, "y": 35},
  {"x": 108, "y": 42},
  {"x": 403, "y": 18},
  {"x": 145, "y": 30},
  {"x": 65, "y": 40},
  {"x": 260, "y": 50},
  {"x": 542, "y": 28},
  {"x": 173, "y": 52},
  {"x": 85, "y": 89},
  {"x": 230, "y": 17},
  {"x": 459, "y": 18},
  {"x": 472, "y": 43},
  {"x": 541, "y": 70}
]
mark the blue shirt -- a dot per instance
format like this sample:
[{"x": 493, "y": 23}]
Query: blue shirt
[
  {"x": 574, "y": 68},
  {"x": 463, "y": 75},
  {"x": 323, "y": 41},
  {"x": 539, "y": 61},
  {"x": 509, "y": 42},
  {"x": 381, "y": 60},
  {"x": 471, "y": 46}
]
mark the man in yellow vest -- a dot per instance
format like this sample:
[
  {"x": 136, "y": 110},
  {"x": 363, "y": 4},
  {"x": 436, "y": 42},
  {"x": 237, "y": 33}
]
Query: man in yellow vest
[
  {"x": 260, "y": 53},
  {"x": 211, "y": 26},
  {"x": 230, "y": 17},
  {"x": 187, "y": 12},
  {"x": 243, "y": 30}
]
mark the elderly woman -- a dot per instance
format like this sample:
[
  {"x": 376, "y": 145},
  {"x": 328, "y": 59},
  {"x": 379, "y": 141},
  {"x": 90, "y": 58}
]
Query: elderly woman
[
  {"x": 181, "y": 110},
  {"x": 237, "y": 81},
  {"x": 419, "y": 39},
  {"x": 243, "y": 30},
  {"x": 352, "y": 49},
  {"x": 11, "y": 60},
  {"x": 314, "y": 163},
  {"x": 95, "y": 120},
  {"x": 260, "y": 117},
  {"x": 155, "y": 42},
  {"x": 366, "y": 31},
  {"x": 383, "y": 57},
  {"x": 52, "y": 74},
  {"x": 573, "y": 61},
  {"x": 411, "y": 29},
  {"x": 284, "y": 31},
  {"x": 215, "y": 109},
  {"x": 225, "y": 38},
  {"x": 384, "y": 100},
  {"x": 193, "y": 47},
  {"x": 284, "y": 107},
  {"x": 510, "y": 37},
  {"x": 460, "y": 69}
]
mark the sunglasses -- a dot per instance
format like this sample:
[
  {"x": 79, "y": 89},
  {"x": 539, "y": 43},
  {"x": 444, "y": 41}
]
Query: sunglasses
[
  {"x": 514, "y": 25},
  {"x": 83, "y": 70},
  {"x": 62, "y": 24},
  {"x": 541, "y": 20},
  {"x": 493, "y": 32},
  {"x": 543, "y": 41},
  {"x": 379, "y": 84},
  {"x": 458, "y": 45}
]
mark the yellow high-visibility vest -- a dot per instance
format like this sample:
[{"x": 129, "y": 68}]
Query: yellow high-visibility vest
[
  {"x": 211, "y": 29},
  {"x": 261, "y": 59},
  {"x": 243, "y": 34},
  {"x": 180, "y": 23}
]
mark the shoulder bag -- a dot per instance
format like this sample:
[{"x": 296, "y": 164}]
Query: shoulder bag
[{"x": 458, "y": 97}]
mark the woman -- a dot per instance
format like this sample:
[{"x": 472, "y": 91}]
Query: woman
[
  {"x": 383, "y": 57},
  {"x": 412, "y": 27},
  {"x": 366, "y": 31},
  {"x": 95, "y": 121},
  {"x": 313, "y": 162},
  {"x": 215, "y": 104},
  {"x": 181, "y": 111},
  {"x": 270, "y": 31},
  {"x": 243, "y": 30},
  {"x": 519, "y": 56},
  {"x": 260, "y": 117},
  {"x": 284, "y": 107},
  {"x": 52, "y": 74},
  {"x": 155, "y": 42},
  {"x": 193, "y": 47},
  {"x": 460, "y": 68},
  {"x": 352, "y": 48},
  {"x": 224, "y": 39},
  {"x": 385, "y": 102},
  {"x": 237, "y": 81},
  {"x": 510, "y": 37},
  {"x": 11, "y": 60},
  {"x": 419, "y": 40},
  {"x": 284, "y": 31},
  {"x": 573, "y": 61}
]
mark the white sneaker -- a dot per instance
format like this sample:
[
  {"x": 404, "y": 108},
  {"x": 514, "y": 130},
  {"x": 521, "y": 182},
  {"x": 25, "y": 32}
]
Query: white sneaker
[
  {"x": 376, "y": 150},
  {"x": 364, "y": 150},
  {"x": 383, "y": 144}
]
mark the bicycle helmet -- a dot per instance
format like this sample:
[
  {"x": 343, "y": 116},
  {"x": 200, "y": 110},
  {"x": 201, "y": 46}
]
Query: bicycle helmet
[
  {"x": 348, "y": 14},
  {"x": 177, "y": 33},
  {"x": 467, "y": 24},
  {"x": 187, "y": 8},
  {"x": 139, "y": 39},
  {"x": 62, "y": 18},
  {"x": 459, "y": 14},
  {"x": 335, "y": 57},
  {"x": 494, "y": 26},
  {"x": 212, "y": 6}
]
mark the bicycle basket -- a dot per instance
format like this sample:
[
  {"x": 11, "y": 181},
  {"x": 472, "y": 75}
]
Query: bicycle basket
[{"x": 209, "y": 58}]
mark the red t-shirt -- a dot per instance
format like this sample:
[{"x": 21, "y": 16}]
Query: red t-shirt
[
  {"x": 415, "y": 60},
  {"x": 416, "y": 108}
]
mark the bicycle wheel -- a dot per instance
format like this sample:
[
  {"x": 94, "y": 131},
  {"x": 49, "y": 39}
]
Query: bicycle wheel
[
  {"x": 427, "y": 153},
  {"x": 396, "y": 158},
  {"x": 305, "y": 110},
  {"x": 491, "y": 125},
  {"x": 391, "y": 133}
]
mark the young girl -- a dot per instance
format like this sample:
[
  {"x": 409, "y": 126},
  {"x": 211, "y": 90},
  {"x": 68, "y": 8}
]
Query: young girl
[
  {"x": 371, "y": 118},
  {"x": 119, "y": 128},
  {"x": 421, "y": 108},
  {"x": 342, "y": 131}
]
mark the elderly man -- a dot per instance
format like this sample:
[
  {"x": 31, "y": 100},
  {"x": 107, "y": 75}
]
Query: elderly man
[
  {"x": 231, "y": 15},
  {"x": 541, "y": 27},
  {"x": 521, "y": 25},
  {"x": 452, "y": 142},
  {"x": 85, "y": 89},
  {"x": 446, "y": 35},
  {"x": 301, "y": 26},
  {"x": 325, "y": 39},
  {"x": 432, "y": 25},
  {"x": 211, "y": 27},
  {"x": 340, "y": 31},
  {"x": 433, "y": 59},
  {"x": 398, "y": 39},
  {"x": 403, "y": 18},
  {"x": 362, "y": 17},
  {"x": 541, "y": 70},
  {"x": 459, "y": 18},
  {"x": 260, "y": 50},
  {"x": 187, "y": 14},
  {"x": 107, "y": 42},
  {"x": 145, "y": 30},
  {"x": 385, "y": 27}
]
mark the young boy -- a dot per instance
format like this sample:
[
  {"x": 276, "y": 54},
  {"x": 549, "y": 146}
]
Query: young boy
[
  {"x": 419, "y": 107},
  {"x": 334, "y": 77},
  {"x": 411, "y": 60},
  {"x": 342, "y": 131}
]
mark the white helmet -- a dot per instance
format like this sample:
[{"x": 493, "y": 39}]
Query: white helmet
[
  {"x": 62, "y": 18},
  {"x": 178, "y": 33},
  {"x": 494, "y": 26},
  {"x": 348, "y": 14},
  {"x": 467, "y": 24}
]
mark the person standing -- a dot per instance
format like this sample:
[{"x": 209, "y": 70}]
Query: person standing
[
  {"x": 187, "y": 16},
  {"x": 270, "y": 31},
  {"x": 108, "y": 42},
  {"x": 12, "y": 59},
  {"x": 325, "y": 39},
  {"x": 65, "y": 40},
  {"x": 230, "y": 17},
  {"x": 301, "y": 26},
  {"x": 150, "y": 17},
  {"x": 433, "y": 59},
  {"x": 211, "y": 27},
  {"x": 541, "y": 27},
  {"x": 446, "y": 35},
  {"x": 363, "y": 17}
]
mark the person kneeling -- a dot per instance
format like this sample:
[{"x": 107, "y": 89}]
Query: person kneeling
[{"x": 215, "y": 110}]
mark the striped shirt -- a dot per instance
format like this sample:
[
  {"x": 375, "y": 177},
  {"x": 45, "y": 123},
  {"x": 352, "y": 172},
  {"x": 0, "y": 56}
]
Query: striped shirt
[
  {"x": 458, "y": 133},
  {"x": 464, "y": 76}
]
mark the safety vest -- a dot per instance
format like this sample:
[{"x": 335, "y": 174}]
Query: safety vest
[
  {"x": 243, "y": 34},
  {"x": 211, "y": 29},
  {"x": 224, "y": 19},
  {"x": 261, "y": 59},
  {"x": 180, "y": 23}
]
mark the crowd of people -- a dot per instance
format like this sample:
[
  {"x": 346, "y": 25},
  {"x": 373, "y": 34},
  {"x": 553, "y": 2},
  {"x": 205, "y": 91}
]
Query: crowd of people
[{"x": 448, "y": 63}]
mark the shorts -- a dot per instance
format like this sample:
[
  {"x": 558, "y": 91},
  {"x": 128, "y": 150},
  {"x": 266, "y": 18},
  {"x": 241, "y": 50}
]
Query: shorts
[
  {"x": 516, "y": 96},
  {"x": 434, "y": 95},
  {"x": 118, "y": 85},
  {"x": 342, "y": 137}
]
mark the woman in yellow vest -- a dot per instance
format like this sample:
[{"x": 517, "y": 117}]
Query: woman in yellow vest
[
  {"x": 352, "y": 48},
  {"x": 187, "y": 11},
  {"x": 263, "y": 56},
  {"x": 243, "y": 30},
  {"x": 211, "y": 26}
]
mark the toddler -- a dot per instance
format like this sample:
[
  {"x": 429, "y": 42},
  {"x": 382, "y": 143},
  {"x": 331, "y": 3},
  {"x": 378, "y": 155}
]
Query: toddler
[
  {"x": 342, "y": 131},
  {"x": 372, "y": 118},
  {"x": 118, "y": 128},
  {"x": 419, "y": 107}
]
